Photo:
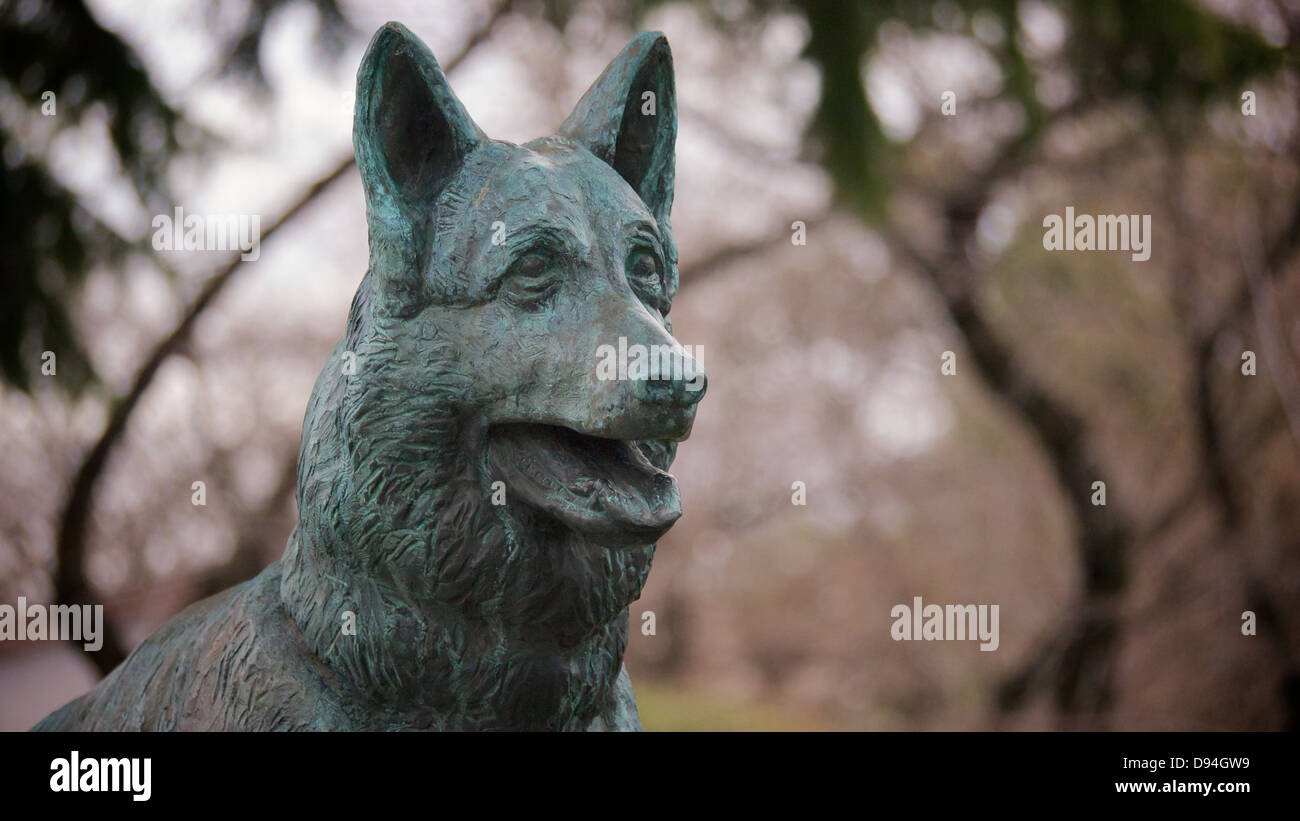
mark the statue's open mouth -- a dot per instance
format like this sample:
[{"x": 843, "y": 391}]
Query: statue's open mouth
[{"x": 604, "y": 488}]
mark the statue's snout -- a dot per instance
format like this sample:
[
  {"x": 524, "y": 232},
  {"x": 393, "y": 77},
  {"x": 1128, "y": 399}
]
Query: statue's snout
[{"x": 655, "y": 382}]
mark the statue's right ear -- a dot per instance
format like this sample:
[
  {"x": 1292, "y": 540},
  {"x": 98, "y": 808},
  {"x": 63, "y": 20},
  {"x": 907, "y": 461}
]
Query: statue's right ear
[{"x": 410, "y": 132}]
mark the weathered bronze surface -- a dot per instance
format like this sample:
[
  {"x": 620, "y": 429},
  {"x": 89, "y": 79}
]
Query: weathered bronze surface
[{"x": 478, "y": 507}]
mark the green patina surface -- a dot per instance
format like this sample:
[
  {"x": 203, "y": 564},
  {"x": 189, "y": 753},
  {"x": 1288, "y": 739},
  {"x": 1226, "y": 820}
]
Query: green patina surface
[{"x": 407, "y": 597}]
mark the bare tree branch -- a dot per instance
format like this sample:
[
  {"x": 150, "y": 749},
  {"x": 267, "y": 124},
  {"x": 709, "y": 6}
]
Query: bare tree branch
[
  {"x": 719, "y": 259},
  {"x": 1077, "y": 662}
]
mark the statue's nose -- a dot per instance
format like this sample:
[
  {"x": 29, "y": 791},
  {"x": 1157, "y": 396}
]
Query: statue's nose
[{"x": 683, "y": 385}]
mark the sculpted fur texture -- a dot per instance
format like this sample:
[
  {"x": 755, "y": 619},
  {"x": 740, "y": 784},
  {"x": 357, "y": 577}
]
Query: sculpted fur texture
[{"x": 477, "y": 506}]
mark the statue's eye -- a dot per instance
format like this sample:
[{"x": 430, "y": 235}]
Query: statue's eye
[
  {"x": 644, "y": 276},
  {"x": 530, "y": 282}
]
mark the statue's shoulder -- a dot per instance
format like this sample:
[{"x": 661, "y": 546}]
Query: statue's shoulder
[{"x": 233, "y": 661}]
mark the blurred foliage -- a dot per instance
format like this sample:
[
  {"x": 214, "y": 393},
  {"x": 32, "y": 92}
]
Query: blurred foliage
[
  {"x": 245, "y": 43},
  {"x": 50, "y": 238},
  {"x": 1165, "y": 54}
]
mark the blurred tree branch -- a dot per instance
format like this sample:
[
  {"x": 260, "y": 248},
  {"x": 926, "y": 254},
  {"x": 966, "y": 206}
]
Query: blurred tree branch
[
  {"x": 1116, "y": 52},
  {"x": 1202, "y": 344},
  {"x": 1262, "y": 271},
  {"x": 1081, "y": 655},
  {"x": 717, "y": 260},
  {"x": 1078, "y": 661},
  {"x": 79, "y": 67},
  {"x": 70, "y": 583}
]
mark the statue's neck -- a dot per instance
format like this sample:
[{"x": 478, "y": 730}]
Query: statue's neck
[
  {"x": 417, "y": 592},
  {"x": 432, "y": 666}
]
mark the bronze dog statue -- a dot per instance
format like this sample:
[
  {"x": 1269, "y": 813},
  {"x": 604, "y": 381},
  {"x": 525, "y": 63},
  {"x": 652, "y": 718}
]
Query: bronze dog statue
[{"x": 478, "y": 500}]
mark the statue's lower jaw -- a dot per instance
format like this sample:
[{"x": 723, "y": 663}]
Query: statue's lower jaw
[{"x": 605, "y": 489}]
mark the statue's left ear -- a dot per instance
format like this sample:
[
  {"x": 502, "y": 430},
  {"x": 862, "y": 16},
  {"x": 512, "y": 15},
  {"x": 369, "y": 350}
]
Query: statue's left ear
[{"x": 628, "y": 118}]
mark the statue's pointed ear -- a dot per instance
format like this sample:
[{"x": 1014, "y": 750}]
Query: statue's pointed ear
[
  {"x": 410, "y": 132},
  {"x": 628, "y": 118}
]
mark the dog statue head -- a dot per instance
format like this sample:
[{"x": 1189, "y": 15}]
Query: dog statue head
[{"x": 475, "y": 466}]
